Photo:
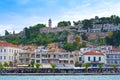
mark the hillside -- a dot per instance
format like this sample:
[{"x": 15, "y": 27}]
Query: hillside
[{"x": 65, "y": 35}]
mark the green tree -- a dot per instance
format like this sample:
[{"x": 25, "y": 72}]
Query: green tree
[
  {"x": 69, "y": 47},
  {"x": 76, "y": 23},
  {"x": 113, "y": 39},
  {"x": 37, "y": 67},
  {"x": 115, "y": 67},
  {"x": 87, "y": 65},
  {"x": 83, "y": 44},
  {"x": 36, "y": 28},
  {"x": 6, "y": 64},
  {"x": 11, "y": 64},
  {"x": 53, "y": 67},
  {"x": 32, "y": 63},
  {"x": 6, "y": 33},
  {"x": 87, "y": 24},
  {"x": 27, "y": 33},
  {"x": 77, "y": 40},
  {"x": 100, "y": 66},
  {"x": 1, "y": 67},
  {"x": 64, "y": 23}
]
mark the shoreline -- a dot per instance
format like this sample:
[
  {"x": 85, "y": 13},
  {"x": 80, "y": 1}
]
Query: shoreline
[{"x": 50, "y": 74}]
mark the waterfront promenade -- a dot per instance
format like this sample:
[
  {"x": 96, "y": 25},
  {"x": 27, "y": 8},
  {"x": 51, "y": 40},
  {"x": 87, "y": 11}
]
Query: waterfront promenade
[{"x": 34, "y": 71}]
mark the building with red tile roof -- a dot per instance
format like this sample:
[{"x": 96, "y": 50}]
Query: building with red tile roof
[
  {"x": 6, "y": 44},
  {"x": 92, "y": 57},
  {"x": 9, "y": 52},
  {"x": 93, "y": 53}
]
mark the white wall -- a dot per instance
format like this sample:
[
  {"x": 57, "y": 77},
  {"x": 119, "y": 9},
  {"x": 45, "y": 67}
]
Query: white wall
[
  {"x": 85, "y": 57},
  {"x": 8, "y": 52}
]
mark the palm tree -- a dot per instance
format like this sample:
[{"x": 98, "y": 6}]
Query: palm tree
[
  {"x": 115, "y": 67},
  {"x": 100, "y": 66},
  {"x": 32, "y": 63},
  {"x": 10, "y": 64},
  {"x": 6, "y": 64},
  {"x": 86, "y": 65},
  {"x": 1, "y": 67},
  {"x": 37, "y": 67},
  {"x": 53, "y": 67}
]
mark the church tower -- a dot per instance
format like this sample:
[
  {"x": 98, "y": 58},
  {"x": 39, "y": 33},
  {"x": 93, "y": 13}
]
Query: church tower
[{"x": 49, "y": 23}]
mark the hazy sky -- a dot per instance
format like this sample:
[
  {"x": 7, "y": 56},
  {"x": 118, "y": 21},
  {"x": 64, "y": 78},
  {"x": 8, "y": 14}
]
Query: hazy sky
[{"x": 17, "y": 14}]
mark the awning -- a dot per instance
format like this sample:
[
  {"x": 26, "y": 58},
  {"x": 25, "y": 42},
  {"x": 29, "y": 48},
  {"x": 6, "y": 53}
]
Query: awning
[
  {"x": 46, "y": 66},
  {"x": 22, "y": 65}
]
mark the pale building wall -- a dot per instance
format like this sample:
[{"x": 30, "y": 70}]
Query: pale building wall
[
  {"x": 7, "y": 54},
  {"x": 85, "y": 57}
]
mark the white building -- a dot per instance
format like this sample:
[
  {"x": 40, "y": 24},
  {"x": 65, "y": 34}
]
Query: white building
[
  {"x": 113, "y": 57},
  {"x": 110, "y": 27},
  {"x": 94, "y": 58},
  {"x": 95, "y": 30},
  {"x": 9, "y": 52}
]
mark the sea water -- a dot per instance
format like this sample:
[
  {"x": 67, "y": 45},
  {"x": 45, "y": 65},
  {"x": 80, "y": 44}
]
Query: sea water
[{"x": 62, "y": 77}]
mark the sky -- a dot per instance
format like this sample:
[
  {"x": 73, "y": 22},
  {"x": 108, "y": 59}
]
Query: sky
[{"x": 17, "y": 14}]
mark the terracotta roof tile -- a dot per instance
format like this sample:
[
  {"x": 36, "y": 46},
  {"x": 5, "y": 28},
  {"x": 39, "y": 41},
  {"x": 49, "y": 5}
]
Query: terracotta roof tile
[
  {"x": 93, "y": 53},
  {"x": 8, "y": 44},
  {"x": 116, "y": 49}
]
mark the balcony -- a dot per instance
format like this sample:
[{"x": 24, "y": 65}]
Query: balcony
[
  {"x": 44, "y": 57},
  {"x": 95, "y": 61},
  {"x": 23, "y": 57}
]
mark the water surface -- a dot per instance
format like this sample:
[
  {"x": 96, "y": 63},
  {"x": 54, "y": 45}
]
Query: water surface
[{"x": 77, "y": 77}]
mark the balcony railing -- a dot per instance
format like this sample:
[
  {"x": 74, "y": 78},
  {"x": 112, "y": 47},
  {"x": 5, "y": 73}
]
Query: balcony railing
[
  {"x": 23, "y": 56},
  {"x": 94, "y": 61}
]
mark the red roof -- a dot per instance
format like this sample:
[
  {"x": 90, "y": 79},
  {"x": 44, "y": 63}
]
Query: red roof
[
  {"x": 6, "y": 44},
  {"x": 93, "y": 53},
  {"x": 116, "y": 49}
]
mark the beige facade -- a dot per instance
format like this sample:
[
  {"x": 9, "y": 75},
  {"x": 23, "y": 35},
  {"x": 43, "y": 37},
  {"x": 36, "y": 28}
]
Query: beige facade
[
  {"x": 61, "y": 59},
  {"x": 25, "y": 57}
]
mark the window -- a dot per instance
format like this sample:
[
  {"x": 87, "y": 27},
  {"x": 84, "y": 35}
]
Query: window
[
  {"x": 9, "y": 50},
  {"x": 71, "y": 56},
  {"x": 94, "y": 58},
  {"x": 32, "y": 55},
  {"x": 88, "y": 58},
  {"x": 15, "y": 51},
  {"x": 1, "y": 50},
  {"x": 108, "y": 62},
  {"x": 111, "y": 56},
  {"x": 115, "y": 56},
  {"x": 44, "y": 61},
  {"x": 119, "y": 56},
  {"x": 48, "y": 56},
  {"x": 99, "y": 58},
  {"x": 108, "y": 56},
  {"x": 66, "y": 56},
  {"x": 12, "y": 50},
  {"x": 44, "y": 56},
  {"x": 71, "y": 62},
  {"x": 12, "y": 57},
  {"x": 60, "y": 56},
  {"x": 4, "y": 57},
  {"x": 54, "y": 56},
  {"x": 37, "y": 61},
  {"x": 4, "y": 50},
  {"x": 0, "y": 57},
  {"x": 37, "y": 56},
  {"x": 80, "y": 59}
]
